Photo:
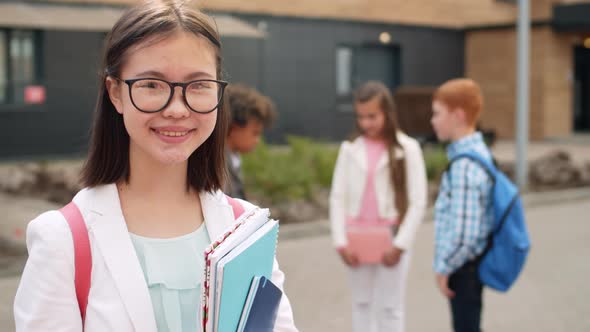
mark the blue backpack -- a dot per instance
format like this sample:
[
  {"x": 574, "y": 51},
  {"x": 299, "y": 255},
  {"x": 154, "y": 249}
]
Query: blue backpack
[{"x": 508, "y": 243}]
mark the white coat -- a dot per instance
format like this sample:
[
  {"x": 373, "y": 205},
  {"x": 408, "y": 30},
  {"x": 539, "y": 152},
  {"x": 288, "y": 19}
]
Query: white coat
[
  {"x": 348, "y": 186},
  {"x": 119, "y": 299}
]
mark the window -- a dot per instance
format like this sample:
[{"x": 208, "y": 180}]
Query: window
[
  {"x": 18, "y": 64},
  {"x": 356, "y": 65},
  {"x": 3, "y": 67},
  {"x": 343, "y": 71}
]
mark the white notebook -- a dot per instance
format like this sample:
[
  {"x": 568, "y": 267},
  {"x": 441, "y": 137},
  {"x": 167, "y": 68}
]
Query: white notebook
[{"x": 245, "y": 226}]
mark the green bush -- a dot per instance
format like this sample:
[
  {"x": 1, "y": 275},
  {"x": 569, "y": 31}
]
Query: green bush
[
  {"x": 319, "y": 158},
  {"x": 295, "y": 171},
  {"x": 291, "y": 172},
  {"x": 436, "y": 162}
]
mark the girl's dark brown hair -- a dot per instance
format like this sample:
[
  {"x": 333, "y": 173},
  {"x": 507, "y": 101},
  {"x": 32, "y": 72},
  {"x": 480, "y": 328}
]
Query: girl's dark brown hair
[
  {"x": 397, "y": 166},
  {"x": 151, "y": 21}
]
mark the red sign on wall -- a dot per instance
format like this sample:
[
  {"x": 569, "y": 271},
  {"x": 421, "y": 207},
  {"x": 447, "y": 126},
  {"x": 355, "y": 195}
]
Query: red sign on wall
[{"x": 34, "y": 94}]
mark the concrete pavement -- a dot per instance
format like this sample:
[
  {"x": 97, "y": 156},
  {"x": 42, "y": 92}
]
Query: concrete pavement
[{"x": 551, "y": 295}]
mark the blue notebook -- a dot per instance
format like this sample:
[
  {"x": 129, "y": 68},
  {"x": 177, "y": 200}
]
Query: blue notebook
[
  {"x": 261, "y": 308},
  {"x": 251, "y": 258}
]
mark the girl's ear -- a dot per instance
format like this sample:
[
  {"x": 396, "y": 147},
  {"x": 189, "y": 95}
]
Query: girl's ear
[{"x": 114, "y": 90}]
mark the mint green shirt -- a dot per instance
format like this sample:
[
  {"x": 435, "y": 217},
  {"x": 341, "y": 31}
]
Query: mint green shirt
[{"x": 173, "y": 270}]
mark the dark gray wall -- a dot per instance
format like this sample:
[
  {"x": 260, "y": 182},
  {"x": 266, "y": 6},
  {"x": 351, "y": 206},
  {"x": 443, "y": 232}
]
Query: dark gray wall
[
  {"x": 298, "y": 67},
  {"x": 60, "y": 126},
  {"x": 294, "y": 65},
  {"x": 242, "y": 60}
]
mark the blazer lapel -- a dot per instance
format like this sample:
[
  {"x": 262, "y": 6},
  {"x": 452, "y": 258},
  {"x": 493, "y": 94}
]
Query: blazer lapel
[
  {"x": 112, "y": 238},
  {"x": 217, "y": 213},
  {"x": 359, "y": 153},
  {"x": 115, "y": 245}
]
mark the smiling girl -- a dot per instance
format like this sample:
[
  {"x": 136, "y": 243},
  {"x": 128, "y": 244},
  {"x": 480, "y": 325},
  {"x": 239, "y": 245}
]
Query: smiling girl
[{"x": 152, "y": 201}]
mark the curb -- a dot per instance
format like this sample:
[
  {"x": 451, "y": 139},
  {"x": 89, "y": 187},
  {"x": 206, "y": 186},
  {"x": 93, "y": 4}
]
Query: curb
[
  {"x": 16, "y": 213},
  {"x": 556, "y": 197},
  {"x": 322, "y": 227},
  {"x": 16, "y": 245},
  {"x": 10, "y": 246}
]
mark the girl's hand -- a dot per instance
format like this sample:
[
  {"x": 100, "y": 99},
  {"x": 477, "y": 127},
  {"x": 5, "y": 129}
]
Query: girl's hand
[
  {"x": 392, "y": 256},
  {"x": 348, "y": 257}
]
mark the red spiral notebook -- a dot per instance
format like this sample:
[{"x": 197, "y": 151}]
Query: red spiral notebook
[{"x": 370, "y": 244}]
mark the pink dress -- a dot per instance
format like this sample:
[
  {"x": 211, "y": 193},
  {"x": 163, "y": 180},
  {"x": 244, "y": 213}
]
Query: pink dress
[{"x": 369, "y": 212}]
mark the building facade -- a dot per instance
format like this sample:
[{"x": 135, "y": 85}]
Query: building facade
[{"x": 308, "y": 56}]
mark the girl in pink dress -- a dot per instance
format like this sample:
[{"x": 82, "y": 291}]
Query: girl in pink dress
[{"x": 377, "y": 202}]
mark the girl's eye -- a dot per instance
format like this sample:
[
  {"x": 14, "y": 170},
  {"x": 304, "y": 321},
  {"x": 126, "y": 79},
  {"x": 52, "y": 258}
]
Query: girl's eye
[
  {"x": 150, "y": 84},
  {"x": 200, "y": 85}
]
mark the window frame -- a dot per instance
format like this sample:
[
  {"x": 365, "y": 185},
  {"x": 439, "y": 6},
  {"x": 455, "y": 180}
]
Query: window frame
[
  {"x": 344, "y": 101},
  {"x": 10, "y": 102}
]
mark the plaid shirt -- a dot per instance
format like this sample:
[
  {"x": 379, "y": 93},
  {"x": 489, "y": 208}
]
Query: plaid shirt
[{"x": 463, "y": 213}]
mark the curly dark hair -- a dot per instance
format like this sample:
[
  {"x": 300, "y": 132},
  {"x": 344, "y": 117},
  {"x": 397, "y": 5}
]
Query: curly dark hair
[{"x": 246, "y": 103}]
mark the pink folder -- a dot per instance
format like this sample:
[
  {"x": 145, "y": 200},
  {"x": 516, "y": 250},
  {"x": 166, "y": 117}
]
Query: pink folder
[{"x": 369, "y": 244}]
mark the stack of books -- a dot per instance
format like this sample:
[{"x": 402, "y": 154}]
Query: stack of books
[
  {"x": 261, "y": 307},
  {"x": 236, "y": 288}
]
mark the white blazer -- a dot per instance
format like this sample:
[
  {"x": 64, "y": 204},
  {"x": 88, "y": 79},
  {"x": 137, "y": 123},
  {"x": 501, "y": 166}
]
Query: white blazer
[
  {"x": 119, "y": 299},
  {"x": 348, "y": 186}
]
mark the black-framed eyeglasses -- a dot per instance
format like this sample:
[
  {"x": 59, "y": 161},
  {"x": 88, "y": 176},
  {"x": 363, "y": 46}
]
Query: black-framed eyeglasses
[{"x": 151, "y": 95}]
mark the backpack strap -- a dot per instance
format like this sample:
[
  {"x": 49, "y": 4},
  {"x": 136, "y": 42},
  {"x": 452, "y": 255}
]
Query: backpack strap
[
  {"x": 82, "y": 255},
  {"x": 236, "y": 207},
  {"x": 489, "y": 168}
]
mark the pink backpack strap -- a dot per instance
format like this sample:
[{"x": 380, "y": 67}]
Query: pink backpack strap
[
  {"x": 82, "y": 255},
  {"x": 236, "y": 207}
]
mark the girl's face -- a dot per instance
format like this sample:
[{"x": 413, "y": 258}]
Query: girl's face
[
  {"x": 173, "y": 134},
  {"x": 370, "y": 118}
]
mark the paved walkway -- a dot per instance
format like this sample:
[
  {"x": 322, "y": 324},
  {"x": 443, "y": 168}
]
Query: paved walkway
[{"x": 551, "y": 296}]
